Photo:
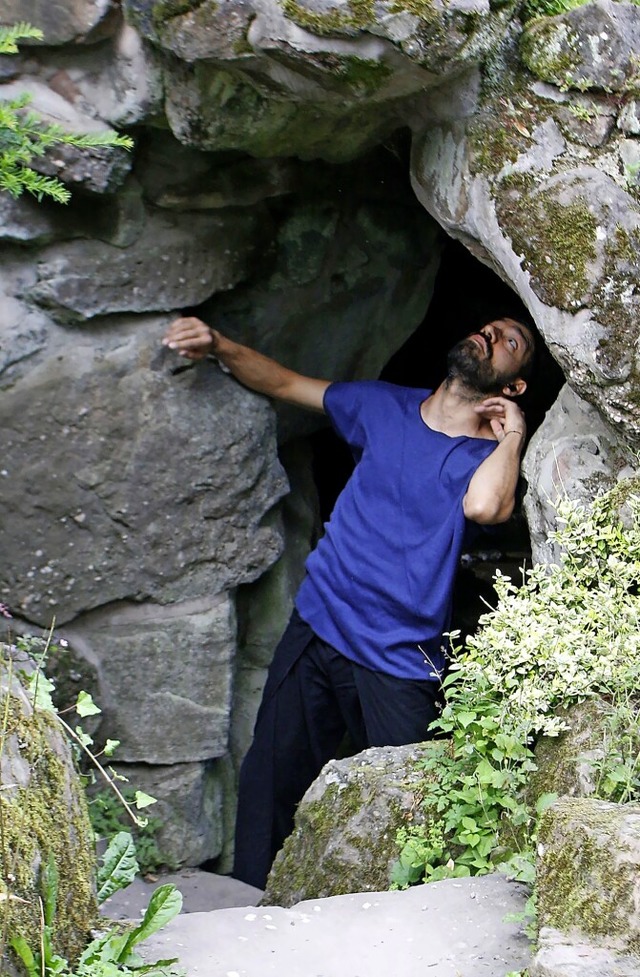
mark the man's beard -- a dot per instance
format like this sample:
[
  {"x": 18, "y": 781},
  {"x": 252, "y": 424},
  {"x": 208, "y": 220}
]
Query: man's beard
[{"x": 465, "y": 363}]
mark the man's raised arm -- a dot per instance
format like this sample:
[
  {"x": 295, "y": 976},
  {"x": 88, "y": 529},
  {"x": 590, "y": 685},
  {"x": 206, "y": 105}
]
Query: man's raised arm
[{"x": 193, "y": 338}]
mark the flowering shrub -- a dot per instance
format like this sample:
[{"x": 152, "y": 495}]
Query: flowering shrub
[{"x": 570, "y": 631}]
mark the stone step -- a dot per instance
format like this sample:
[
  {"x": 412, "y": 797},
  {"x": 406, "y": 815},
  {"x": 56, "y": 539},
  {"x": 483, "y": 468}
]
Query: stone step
[{"x": 454, "y": 928}]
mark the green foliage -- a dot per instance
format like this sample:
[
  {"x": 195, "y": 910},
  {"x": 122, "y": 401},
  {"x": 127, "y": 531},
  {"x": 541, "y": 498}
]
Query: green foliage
[
  {"x": 119, "y": 866},
  {"x": 25, "y": 137},
  {"x": 570, "y": 631},
  {"x": 551, "y": 8},
  {"x": 108, "y": 817},
  {"x": 111, "y": 953}
]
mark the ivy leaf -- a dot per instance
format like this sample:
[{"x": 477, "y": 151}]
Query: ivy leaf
[
  {"x": 144, "y": 800},
  {"x": 85, "y": 706}
]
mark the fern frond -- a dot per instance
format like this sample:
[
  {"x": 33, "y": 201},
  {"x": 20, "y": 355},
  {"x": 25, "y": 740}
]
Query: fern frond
[{"x": 9, "y": 37}]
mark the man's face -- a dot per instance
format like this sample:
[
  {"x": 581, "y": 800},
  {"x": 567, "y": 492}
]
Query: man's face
[{"x": 492, "y": 358}]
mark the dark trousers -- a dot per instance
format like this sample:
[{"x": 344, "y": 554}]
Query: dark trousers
[{"x": 313, "y": 696}]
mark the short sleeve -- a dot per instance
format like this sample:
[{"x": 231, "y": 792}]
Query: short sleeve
[{"x": 344, "y": 404}]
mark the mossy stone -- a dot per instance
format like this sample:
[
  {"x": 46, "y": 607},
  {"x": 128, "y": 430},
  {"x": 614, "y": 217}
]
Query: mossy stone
[{"x": 43, "y": 813}]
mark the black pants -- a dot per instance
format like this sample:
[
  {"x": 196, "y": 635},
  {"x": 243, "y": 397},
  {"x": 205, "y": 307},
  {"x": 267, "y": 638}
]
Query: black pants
[{"x": 314, "y": 695}]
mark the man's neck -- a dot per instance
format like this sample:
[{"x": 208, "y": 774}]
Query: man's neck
[{"x": 450, "y": 410}]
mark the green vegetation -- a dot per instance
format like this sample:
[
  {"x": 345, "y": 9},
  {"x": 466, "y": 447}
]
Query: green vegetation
[
  {"x": 568, "y": 633},
  {"x": 25, "y": 137},
  {"x": 109, "y": 817}
]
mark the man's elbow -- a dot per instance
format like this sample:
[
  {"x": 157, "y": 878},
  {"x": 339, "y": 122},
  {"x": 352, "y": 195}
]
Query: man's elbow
[{"x": 487, "y": 511}]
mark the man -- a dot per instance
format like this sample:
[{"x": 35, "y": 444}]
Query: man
[{"x": 363, "y": 652}]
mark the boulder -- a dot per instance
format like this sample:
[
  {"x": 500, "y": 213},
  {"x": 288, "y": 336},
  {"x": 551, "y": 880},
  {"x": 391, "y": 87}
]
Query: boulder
[
  {"x": 574, "y": 453},
  {"x": 188, "y": 809},
  {"x": 44, "y": 817},
  {"x": 176, "y": 260},
  {"x": 169, "y": 717},
  {"x": 62, "y": 21},
  {"x": 593, "y": 46},
  {"x": 588, "y": 878},
  {"x": 345, "y": 828},
  {"x": 118, "y": 519}
]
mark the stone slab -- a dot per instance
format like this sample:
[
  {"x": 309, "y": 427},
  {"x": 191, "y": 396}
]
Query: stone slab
[
  {"x": 446, "y": 929},
  {"x": 201, "y": 891}
]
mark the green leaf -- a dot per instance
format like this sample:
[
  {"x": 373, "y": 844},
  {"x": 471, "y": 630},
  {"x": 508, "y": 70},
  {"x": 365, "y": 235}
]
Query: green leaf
[
  {"x": 24, "y": 952},
  {"x": 144, "y": 800},
  {"x": 85, "y": 706},
  {"x": 544, "y": 802},
  {"x": 119, "y": 866},
  {"x": 110, "y": 747},
  {"x": 165, "y": 903}
]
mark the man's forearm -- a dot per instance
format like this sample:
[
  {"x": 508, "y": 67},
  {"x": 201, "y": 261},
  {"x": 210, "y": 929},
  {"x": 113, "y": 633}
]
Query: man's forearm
[
  {"x": 253, "y": 369},
  {"x": 491, "y": 494}
]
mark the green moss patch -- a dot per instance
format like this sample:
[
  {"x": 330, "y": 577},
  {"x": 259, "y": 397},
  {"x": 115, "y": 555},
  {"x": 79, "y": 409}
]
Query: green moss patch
[
  {"x": 557, "y": 242},
  {"x": 46, "y": 817}
]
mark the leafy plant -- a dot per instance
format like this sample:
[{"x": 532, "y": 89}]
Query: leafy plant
[
  {"x": 25, "y": 137},
  {"x": 111, "y": 953},
  {"x": 108, "y": 817},
  {"x": 570, "y": 631}
]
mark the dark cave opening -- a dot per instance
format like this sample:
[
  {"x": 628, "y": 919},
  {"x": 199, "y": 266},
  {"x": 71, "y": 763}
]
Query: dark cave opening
[{"x": 467, "y": 293}]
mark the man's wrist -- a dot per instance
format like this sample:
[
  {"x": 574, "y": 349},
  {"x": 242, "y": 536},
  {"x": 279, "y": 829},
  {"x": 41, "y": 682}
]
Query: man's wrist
[{"x": 514, "y": 430}]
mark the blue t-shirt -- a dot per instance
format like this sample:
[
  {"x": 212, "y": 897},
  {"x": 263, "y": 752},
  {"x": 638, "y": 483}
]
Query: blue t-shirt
[{"x": 379, "y": 584}]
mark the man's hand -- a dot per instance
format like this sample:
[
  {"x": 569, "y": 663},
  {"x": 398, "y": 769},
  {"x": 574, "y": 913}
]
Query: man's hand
[
  {"x": 192, "y": 338},
  {"x": 504, "y": 416}
]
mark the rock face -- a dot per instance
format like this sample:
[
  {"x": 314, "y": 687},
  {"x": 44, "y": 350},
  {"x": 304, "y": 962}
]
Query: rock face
[
  {"x": 44, "y": 817},
  {"x": 588, "y": 870},
  {"x": 268, "y": 190},
  {"x": 346, "y": 825}
]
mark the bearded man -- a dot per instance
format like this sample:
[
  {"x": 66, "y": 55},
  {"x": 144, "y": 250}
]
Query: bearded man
[{"x": 363, "y": 652}]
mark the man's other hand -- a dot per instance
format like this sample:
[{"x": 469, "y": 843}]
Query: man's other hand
[
  {"x": 504, "y": 416},
  {"x": 191, "y": 337}
]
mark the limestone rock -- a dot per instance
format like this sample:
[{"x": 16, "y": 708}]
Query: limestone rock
[
  {"x": 120, "y": 82},
  {"x": 170, "y": 717},
  {"x": 161, "y": 482},
  {"x": 99, "y": 169},
  {"x": 61, "y": 21},
  {"x": 44, "y": 816},
  {"x": 588, "y": 877},
  {"x": 559, "y": 955},
  {"x": 176, "y": 261},
  {"x": 593, "y": 46},
  {"x": 567, "y": 765},
  {"x": 23, "y": 221},
  {"x": 189, "y": 808},
  {"x": 573, "y": 453},
  {"x": 346, "y": 824}
]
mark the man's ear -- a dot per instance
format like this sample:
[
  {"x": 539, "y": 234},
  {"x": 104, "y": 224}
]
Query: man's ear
[{"x": 515, "y": 389}]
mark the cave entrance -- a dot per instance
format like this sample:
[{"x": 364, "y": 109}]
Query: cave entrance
[{"x": 466, "y": 294}]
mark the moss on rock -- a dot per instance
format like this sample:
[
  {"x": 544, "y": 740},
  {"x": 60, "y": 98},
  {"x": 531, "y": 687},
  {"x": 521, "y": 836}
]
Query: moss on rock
[
  {"x": 588, "y": 870},
  {"x": 557, "y": 241},
  {"x": 346, "y": 825},
  {"x": 43, "y": 814}
]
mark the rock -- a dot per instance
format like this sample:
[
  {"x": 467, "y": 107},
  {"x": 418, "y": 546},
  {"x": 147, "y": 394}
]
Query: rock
[
  {"x": 118, "y": 518},
  {"x": 189, "y": 809},
  {"x": 345, "y": 827},
  {"x": 559, "y": 955},
  {"x": 593, "y": 46},
  {"x": 446, "y": 928},
  {"x": 168, "y": 645},
  {"x": 588, "y": 878},
  {"x": 24, "y": 333},
  {"x": 629, "y": 118},
  {"x": 24, "y": 220},
  {"x": 44, "y": 816},
  {"x": 568, "y": 764},
  {"x": 120, "y": 83},
  {"x": 100, "y": 169},
  {"x": 574, "y": 453},
  {"x": 72, "y": 20},
  {"x": 176, "y": 260}
]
